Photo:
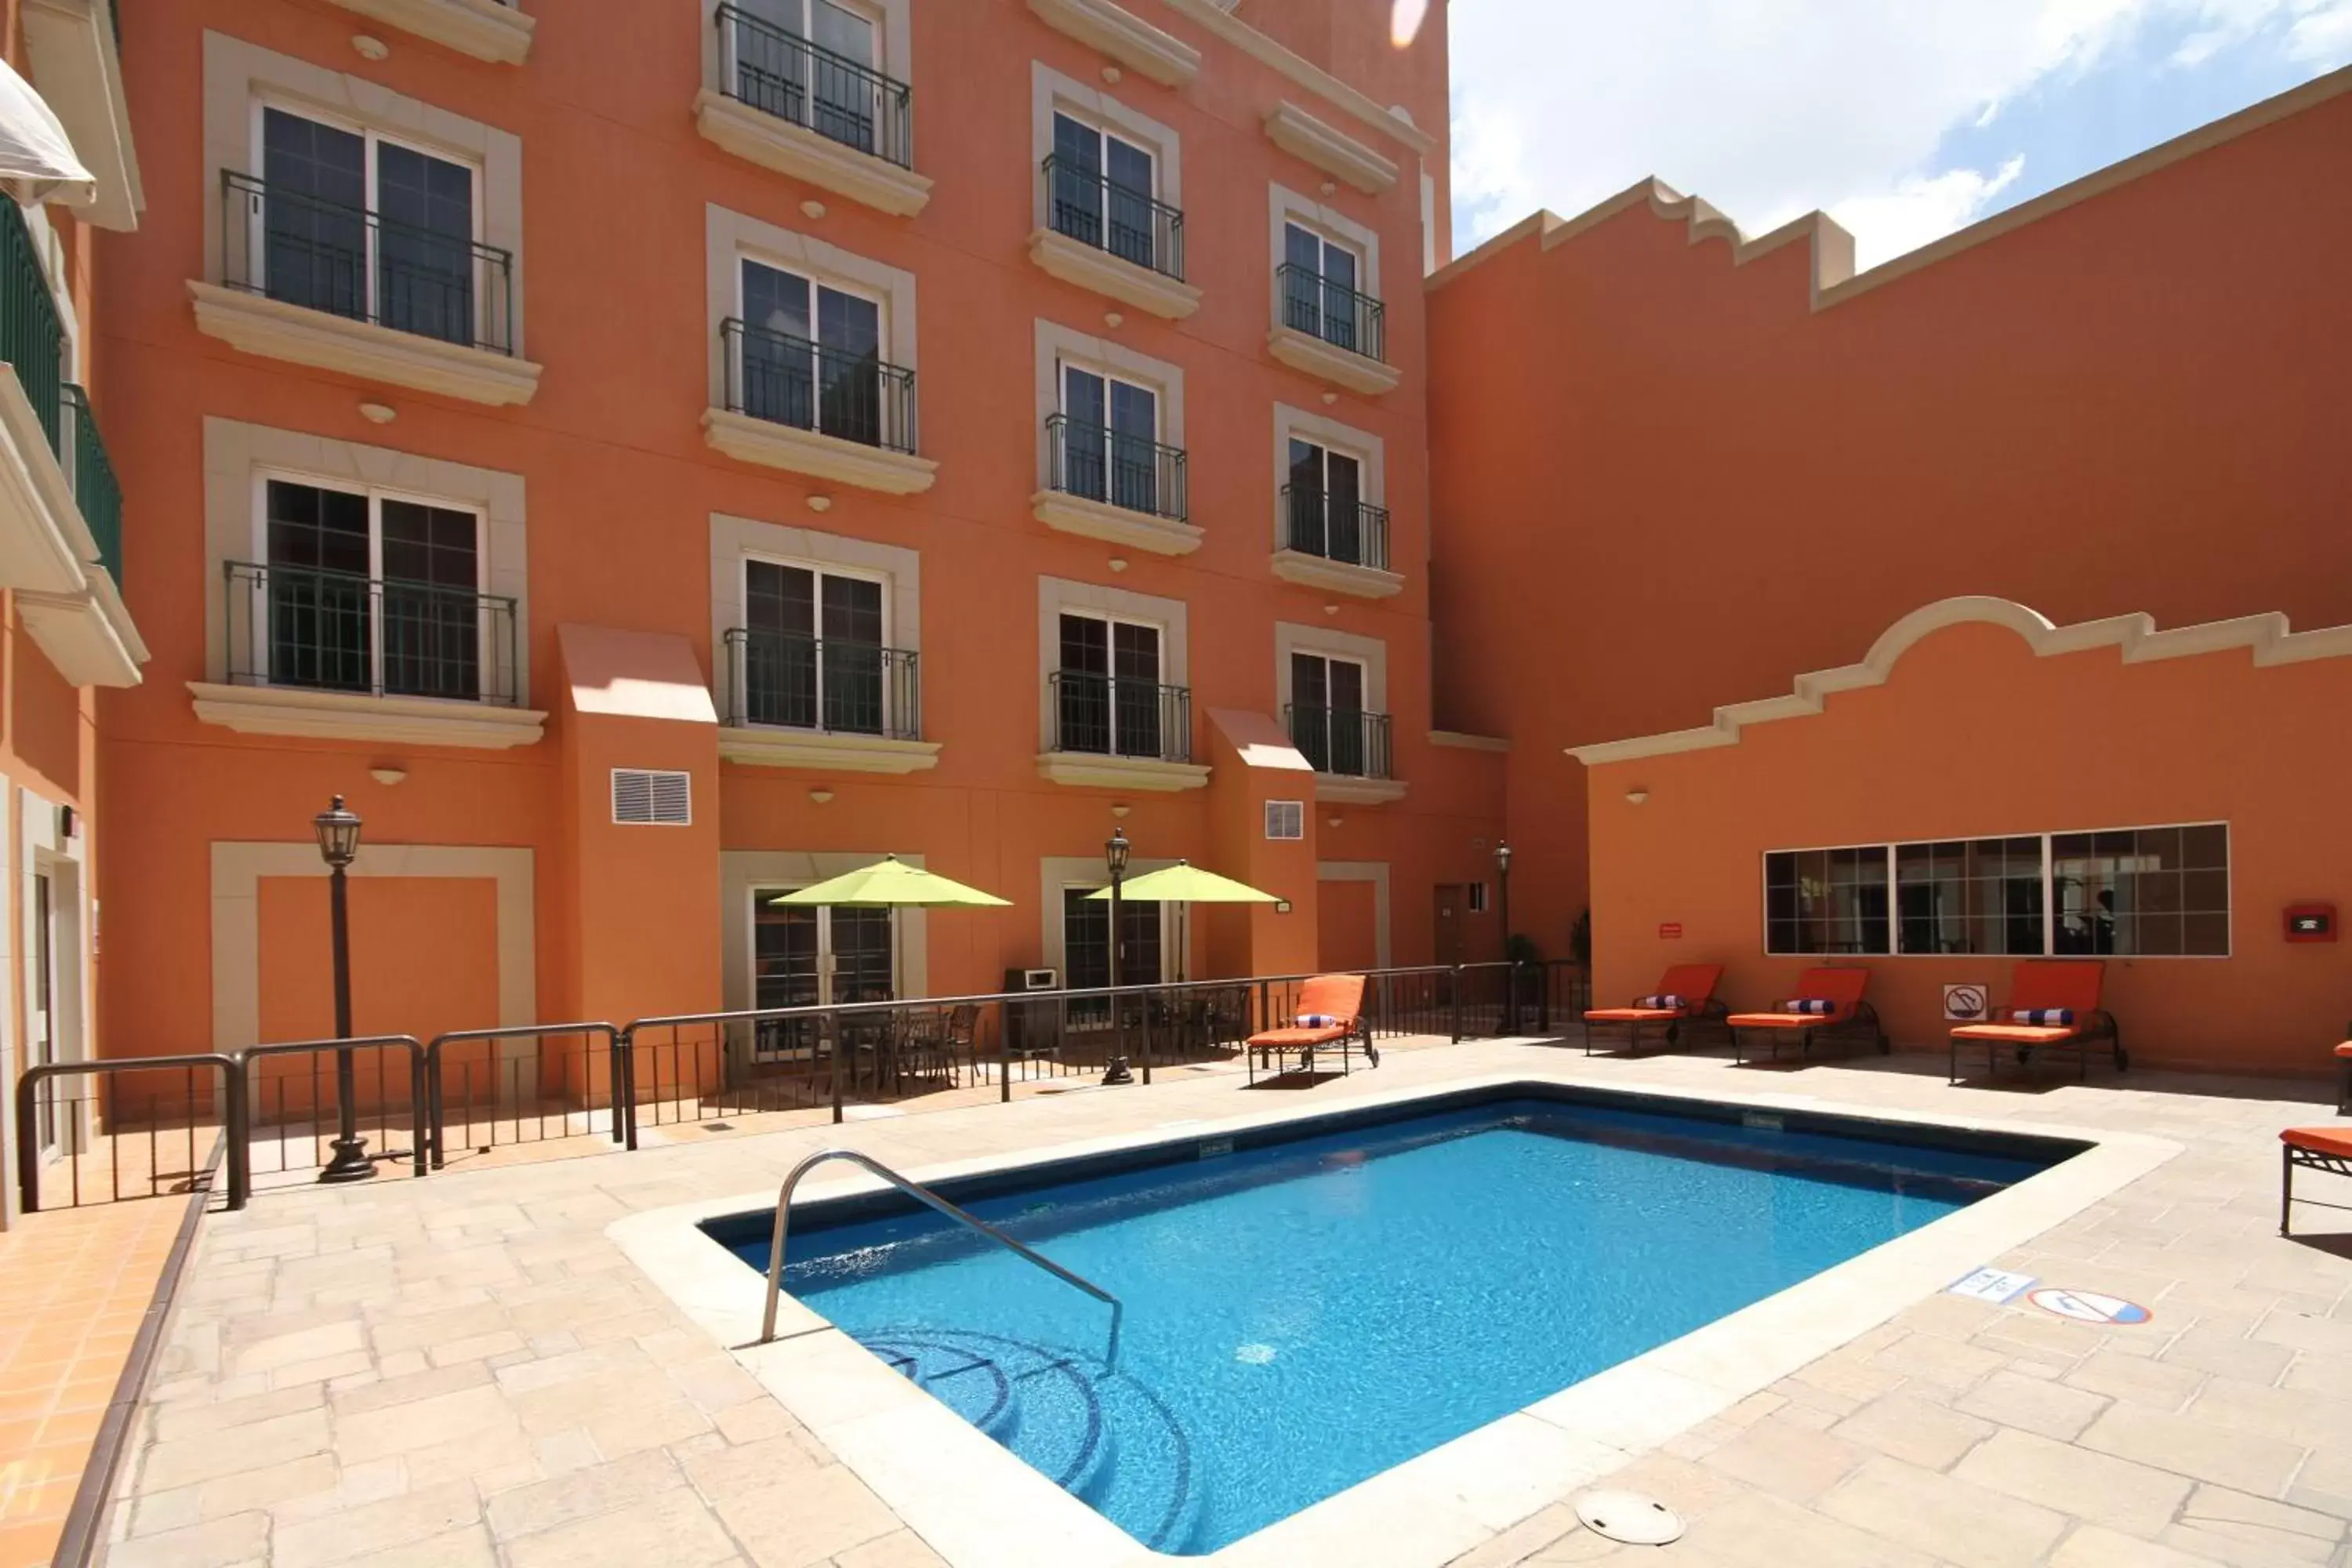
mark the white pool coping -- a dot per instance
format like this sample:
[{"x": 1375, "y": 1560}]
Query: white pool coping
[{"x": 979, "y": 1505}]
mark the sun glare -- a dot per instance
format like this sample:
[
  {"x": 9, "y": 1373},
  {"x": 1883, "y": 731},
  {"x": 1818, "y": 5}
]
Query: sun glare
[{"x": 1404, "y": 22}]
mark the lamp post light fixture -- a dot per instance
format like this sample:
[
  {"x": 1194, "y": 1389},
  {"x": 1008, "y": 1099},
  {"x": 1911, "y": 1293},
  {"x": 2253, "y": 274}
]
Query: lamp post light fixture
[
  {"x": 1115, "y": 852},
  {"x": 339, "y": 844},
  {"x": 1503, "y": 912}
]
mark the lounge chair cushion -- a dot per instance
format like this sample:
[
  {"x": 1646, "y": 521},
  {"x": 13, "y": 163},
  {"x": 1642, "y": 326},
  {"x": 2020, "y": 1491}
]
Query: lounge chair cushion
[
  {"x": 2015, "y": 1034},
  {"x": 1630, "y": 1015},
  {"x": 2335, "y": 1140},
  {"x": 1292, "y": 1038},
  {"x": 2344, "y": 1050},
  {"x": 1669, "y": 1003},
  {"x": 2043, "y": 1017},
  {"x": 1775, "y": 1021}
]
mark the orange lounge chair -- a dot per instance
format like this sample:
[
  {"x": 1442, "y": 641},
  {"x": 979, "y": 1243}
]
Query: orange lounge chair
[
  {"x": 2344, "y": 1088},
  {"x": 1338, "y": 998},
  {"x": 1826, "y": 1005},
  {"x": 2065, "y": 994},
  {"x": 2327, "y": 1149},
  {"x": 1692, "y": 987}
]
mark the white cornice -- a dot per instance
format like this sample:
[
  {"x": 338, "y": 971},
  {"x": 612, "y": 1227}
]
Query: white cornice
[
  {"x": 482, "y": 28},
  {"x": 772, "y": 445},
  {"x": 1114, "y": 524},
  {"x": 1329, "y": 362},
  {"x": 275, "y": 329},
  {"x": 1334, "y": 152},
  {"x": 1094, "y": 771},
  {"x": 1212, "y": 18},
  {"x": 1124, "y": 36},
  {"x": 826, "y": 752},
  {"x": 777, "y": 143},
  {"x": 357, "y": 716},
  {"x": 1090, "y": 267},
  {"x": 2268, "y": 637}
]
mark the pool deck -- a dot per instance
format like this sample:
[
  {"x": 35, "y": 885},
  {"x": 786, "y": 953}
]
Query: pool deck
[{"x": 468, "y": 1369}]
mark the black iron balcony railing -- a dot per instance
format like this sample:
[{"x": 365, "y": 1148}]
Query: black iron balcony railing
[
  {"x": 96, "y": 491},
  {"x": 1314, "y": 304},
  {"x": 1093, "y": 209},
  {"x": 798, "y": 682},
  {"x": 1086, "y": 459},
  {"x": 1108, "y": 716},
  {"x": 791, "y": 381},
  {"x": 1342, "y": 740},
  {"x": 780, "y": 73},
  {"x": 1316, "y": 523},
  {"x": 340, "y": 631},
  {"x": 348, "y": 261},
  {"x": 32, "y": 337}
]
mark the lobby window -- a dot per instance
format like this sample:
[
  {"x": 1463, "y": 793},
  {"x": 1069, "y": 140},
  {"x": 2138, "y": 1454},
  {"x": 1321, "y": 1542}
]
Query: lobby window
[
  {"x": 811, "y": 353},
  {"x": 2142, "y": 891},
  {"x": 787, "y": 945},
  {"x": 1977, "y": 895},
  {"x": 363, "y": 592},
  {"x": 1826, "y": 900},
  {"x": 1086, "y": 948}
]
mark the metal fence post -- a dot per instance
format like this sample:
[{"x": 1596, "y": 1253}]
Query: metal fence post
[
  {"x": 420, "y": 1111},
  {"x": 437, "y": 1108},
  {"x": 238, "y": 1124},
  {"x": 833, "y": 1035},
  {"x": 28, "y": 1152},
  {"x": 628, "y": 1039},
  {"x": 1456, "y": 988},
  {"x": 618, "y": 1074},
  {"x": 1005, "y": 1049}
]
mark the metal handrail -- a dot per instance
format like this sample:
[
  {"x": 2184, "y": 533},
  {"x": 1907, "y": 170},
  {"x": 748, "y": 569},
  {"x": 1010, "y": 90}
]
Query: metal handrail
[
  {"x": 931, "y": 1200},
  {"x": 236, "y": 1131}
]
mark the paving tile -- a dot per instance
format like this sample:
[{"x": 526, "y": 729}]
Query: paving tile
[
  {"x": 904, "y": 1548},
  {"x": 1913, "y": 1430},
  {"x": 241, "y": 1538},
  {"x": 1944, "y": 1517},
  {"x": 2209, "y": 1505},
  {"x": 807, "y": 1519},
  {"x": 2229, "y": 1355},
  {"x": 582, "y": 1494},
  {"x": 673, "y": 1529},
  {"x": 2158, "y": 1385},
  {"x": 421, "y": 1422},
  {"x": 2091, "y": 1486},
  {"x": 256, "y": 1446},
  {"x": 1754, "y": 1530},
  {"x": 1509, "y": 1549},
  {"x": 2095, "y": 1546},
  {"x": 1935, "y": 1360},
  {"x": 1785, "y": 1459},
  {"x": 2032, "y": 1405},
  {"x": 2292, "y": 1416},
  {"x": 2240, "y": 1460}
]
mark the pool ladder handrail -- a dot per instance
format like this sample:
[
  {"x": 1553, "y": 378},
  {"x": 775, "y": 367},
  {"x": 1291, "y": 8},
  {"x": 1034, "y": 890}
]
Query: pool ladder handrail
[{"x": 931, "y": 1199}]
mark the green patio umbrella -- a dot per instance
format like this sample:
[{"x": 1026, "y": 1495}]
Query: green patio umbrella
[
  {"x": 1185, "y": 883},
  {"x": 887, "y": 884}
]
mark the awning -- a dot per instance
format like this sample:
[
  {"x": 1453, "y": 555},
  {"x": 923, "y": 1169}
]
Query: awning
[{"x": 37, "y": 157}]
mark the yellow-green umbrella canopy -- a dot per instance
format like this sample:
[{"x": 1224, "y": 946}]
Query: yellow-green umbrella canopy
[
  {"x": 1185, "y": 883},
  {"x": 888, "y": 884}
]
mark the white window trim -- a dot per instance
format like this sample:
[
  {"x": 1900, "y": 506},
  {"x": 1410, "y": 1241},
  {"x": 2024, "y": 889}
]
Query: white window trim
[
  {"x": 735, "y": 539},
  {"x": 1058, "y": 345},
  {"x": 1287, "y": 206},
  {"x": 1051, "y": 92},
  {"x": 239, "y": 78},
  {"x": 731, "y": 238},
  {"x": 1060, "y": 874},
  {"x": 893, "y": 31},
  {"x": 755, "y": 891},
  {"x": 2048, "y": 838},
  {"x": 857, "y": 288},
  {"x": 823, "y": 569},
  {"x": 744, "y": 872},
  {"x": 1325, "y": 642},
  {"x": 1110, "y": 377},
  {"x": 1057, "y": 596},
  {"x": 1366, "y": 448}
]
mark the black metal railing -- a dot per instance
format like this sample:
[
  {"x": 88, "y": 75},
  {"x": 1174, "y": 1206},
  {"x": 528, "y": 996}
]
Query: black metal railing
[
  {"x": 531, "y": 1083},
  {"x": 1133, "y": 472},
  {"x": 349, "y": 261},
  {"x": 1093, "y": 209},
  {"x": 339, "y": 631},
  {"x": 96, "y": 489},
  {"x": 1316, "y": 523},
  {"x": 294, "y": 1114},
  {"x": 1342, "y": 740},
  {"x": 137, "y": 1127},
  {"x": 822, "y": 683},
  {"x": 1105, "y": 715},
  {"x": 786, "y": 380},
  {"x": 765, "y": 68},
  {"x": 1323, "y": 308},
  {"x": 32, "y": 336}
]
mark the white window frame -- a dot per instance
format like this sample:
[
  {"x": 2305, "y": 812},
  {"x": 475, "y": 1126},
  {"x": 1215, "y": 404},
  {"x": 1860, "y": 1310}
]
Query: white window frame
[
  {"x": 376, "y": 495},
  {"x": 816, "y": 278},
  {"x": 1064, "y": 364},
  {"x": 890, "y": 18},
  {"x": 1169, "y": 950},
  {"x": 822, "y": 570},
  {"x": 762, "y": 890},
  {"x": 1052, "y": 93},
  {"x": 373, "y": 138}
]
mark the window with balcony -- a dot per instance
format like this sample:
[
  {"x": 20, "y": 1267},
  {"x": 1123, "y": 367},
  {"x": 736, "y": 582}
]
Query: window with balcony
[
  {"x": 1328, "y": 723},
  {"x": 1086, "y": 948},
  {"x": 1325, "y": 511},
  {"x": 1321, "y": 293},
  {"x": 368, "y": 593},
  {"x": 1104, "y": 444},
  {"x": 812, "y": 654},
  {"x": 1109, "y": 698},
  {"x": 816, "y": 65},
  {"x": 353, "y": 222},
  {"x": 1101, "y": 190},
  {"x": 808, "y": 354}
]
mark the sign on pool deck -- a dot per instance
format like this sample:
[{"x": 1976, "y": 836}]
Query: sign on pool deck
[
  {"x": 2088, "y": 1306},
  {"x": 1995, "y": 1285}
]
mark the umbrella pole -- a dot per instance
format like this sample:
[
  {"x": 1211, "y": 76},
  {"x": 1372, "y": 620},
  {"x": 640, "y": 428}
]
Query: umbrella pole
[{"x": 829, "y": 1035}]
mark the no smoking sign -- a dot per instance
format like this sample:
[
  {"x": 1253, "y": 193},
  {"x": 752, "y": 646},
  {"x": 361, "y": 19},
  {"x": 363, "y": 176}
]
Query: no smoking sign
[{"x": 2088, "y": 1306}]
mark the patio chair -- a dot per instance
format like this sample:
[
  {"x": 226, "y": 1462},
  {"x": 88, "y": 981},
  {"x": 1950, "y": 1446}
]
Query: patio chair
[
  {"x": 1827, "y": 1007},
  {"x": 1685, "y": 997},
  {"x": 2327, "y": 1149},
  {"x": 2053, "y": 1006},
  {"x": 1330, "y": 1014}
]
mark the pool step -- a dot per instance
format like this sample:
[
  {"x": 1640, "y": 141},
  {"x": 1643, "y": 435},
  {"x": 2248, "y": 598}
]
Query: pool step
[{"x": 1097, "y": 1433}]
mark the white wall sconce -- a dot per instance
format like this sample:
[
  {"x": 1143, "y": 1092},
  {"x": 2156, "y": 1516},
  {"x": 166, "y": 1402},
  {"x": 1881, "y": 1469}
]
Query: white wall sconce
[
  {"x": 387, "y": 774},
  {"x": 812, "y": 208},
  {"x": 821, "y": 795},
  {"x": 378, "y": 413},
  {"x": 370, "y": 48},
  {"x": 1636, "y": 796},
  {"x": 1121, "y": 809},
  {"x": 820, "y": 503}
]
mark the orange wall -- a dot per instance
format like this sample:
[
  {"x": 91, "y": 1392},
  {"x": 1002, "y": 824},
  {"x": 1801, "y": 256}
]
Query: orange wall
[
  {"x": 1974, "y": 736},
  {"x": 621, "y": 486},
  {"x": 1664, "y": 483}
]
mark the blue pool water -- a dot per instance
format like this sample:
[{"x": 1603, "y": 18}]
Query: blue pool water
[{"x": 1302, "y": 1316}]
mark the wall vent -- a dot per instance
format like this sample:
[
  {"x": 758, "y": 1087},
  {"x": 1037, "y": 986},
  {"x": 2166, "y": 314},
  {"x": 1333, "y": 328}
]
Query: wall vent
[
  {"x": 1477, "y": 897},
  {"x": 1285, "y": 819},
  {"x": 647, "y": 796}
]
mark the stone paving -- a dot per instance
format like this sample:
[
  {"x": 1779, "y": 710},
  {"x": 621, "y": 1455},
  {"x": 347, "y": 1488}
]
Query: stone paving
[{"x": 466, "y": 1370}]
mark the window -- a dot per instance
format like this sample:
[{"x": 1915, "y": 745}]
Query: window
[
  {"x": 2137, "y": 891},
  {"x": 1101, "y": 187},
  {"x": 1086, "y": 948},
  {"x": 1325, "y": 512},
  {"x": 358, "y": 225},
  {"x": 1328, "y": 722},
  {"x": 1825, "y": 900},
  {"x": 1285, "y": 819},
  {"x": 813, "y": 653},
  {"x": 1319, "y": 294},
  {"x": 1478, "y": 904},
  {"x": 787, "y": 944},
  {"x": 1978, "y": 895},
  {"x": 2142, "y": 891},
  {"x": 810, "y": 355},
  {"x": 811, "y": 62},
  {"x": 1109, "y": 441},
  {"x": 366, "y": 591},
  {"x": 1108, "y": 695}
]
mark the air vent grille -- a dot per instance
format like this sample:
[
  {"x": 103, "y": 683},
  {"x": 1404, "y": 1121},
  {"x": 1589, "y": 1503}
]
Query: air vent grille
[{"x": 653, "y": 797}]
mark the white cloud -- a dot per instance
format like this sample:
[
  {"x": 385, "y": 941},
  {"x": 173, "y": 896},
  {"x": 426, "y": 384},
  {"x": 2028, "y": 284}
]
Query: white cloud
[{"x": 1771, "y": 108}]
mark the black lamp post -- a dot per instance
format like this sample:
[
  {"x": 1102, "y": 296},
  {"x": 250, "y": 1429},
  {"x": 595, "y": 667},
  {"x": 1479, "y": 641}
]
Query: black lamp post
[
  {"x": 1503, "y": 911},
  {"x": 339, "y": 844},
  {"x": 1115, "y": 853}
]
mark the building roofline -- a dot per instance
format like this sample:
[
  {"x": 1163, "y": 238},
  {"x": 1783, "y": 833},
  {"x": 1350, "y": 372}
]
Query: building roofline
[
  {"x": 1213, "y": 17},
  {"x": 2269, "y": 637},
  {"x": 1832, "y": 286}
]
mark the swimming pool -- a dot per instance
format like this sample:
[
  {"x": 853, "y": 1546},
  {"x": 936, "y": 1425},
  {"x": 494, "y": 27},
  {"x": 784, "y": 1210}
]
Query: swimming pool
[{"x": 1303, "y": 1312}]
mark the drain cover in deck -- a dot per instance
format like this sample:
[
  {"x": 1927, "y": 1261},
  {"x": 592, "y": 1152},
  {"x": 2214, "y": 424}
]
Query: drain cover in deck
[{"x": 1630, "y": 1518}]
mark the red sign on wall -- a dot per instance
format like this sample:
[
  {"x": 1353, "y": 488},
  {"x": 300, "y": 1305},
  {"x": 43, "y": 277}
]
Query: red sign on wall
[{"x": 1670, "y": 931}]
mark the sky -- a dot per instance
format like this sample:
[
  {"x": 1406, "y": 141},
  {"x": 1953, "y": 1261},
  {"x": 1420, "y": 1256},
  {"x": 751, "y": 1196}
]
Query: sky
[{"x": 1905, "y": 120}]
